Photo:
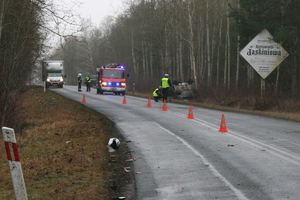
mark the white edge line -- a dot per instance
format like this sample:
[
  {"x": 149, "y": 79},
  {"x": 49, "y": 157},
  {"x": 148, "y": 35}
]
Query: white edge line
[
  {"x": 238, "y": 193},
  {"x": 273, "y": 150}
]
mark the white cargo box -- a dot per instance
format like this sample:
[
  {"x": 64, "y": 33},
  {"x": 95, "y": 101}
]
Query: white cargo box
[{"x": 54, "y": 65}]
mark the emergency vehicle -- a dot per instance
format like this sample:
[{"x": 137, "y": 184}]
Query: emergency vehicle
[{"x": 111, "y": 78}]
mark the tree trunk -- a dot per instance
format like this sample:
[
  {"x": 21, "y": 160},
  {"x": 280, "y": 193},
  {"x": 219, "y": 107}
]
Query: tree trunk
[
  {"x": 238, "y": 55},
  {"x": 226, "y": 60},
  {"x": 191, "y": 44},
  {"x": 133, "y": 55},
  {"x": 277, "y": 79},
  {"x": 294, "y": 76},
  {"x": 228, "y": 48},
  {"x": 218, "y": 51},
  {"x": 1, "y": 16},
  {"x": 151, "y": 61},
  {"x": 208, "y": 46},
  {"x": 144, "y": 59}
]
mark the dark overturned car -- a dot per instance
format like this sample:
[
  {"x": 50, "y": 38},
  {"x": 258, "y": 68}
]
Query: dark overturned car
[
  {"x": 94, "y": 80},
  {"x": 182, "y": 90}
]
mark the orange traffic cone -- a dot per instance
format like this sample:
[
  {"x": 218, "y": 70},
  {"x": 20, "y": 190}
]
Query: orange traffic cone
[
  {"x": 223, "y": 124},
  {"x": 124, "y": 100},
  {"x": 190, "y": 115},
  {"x": 164, "y": 108},
  {"x": 149, "y": 102},
  {"x": 83, "y": 99}
]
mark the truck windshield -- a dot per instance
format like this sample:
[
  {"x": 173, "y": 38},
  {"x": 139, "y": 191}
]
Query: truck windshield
[
  {"x": 54, "y": 74},
  {"x": 107, "y": 73}
]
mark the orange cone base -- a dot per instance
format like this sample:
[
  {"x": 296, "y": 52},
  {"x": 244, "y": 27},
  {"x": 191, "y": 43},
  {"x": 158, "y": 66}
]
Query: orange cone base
[
  {"x": 190, "y": 116},
  {"x": 164, "y": 108},
  {"x": 223, "y": 129}
]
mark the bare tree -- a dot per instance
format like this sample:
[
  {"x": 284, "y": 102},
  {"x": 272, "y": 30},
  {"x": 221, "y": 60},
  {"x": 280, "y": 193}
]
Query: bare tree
[
  {"x": 2, "y": 5},
  {"x": 208, "y": 45},
  {"x": 19, "y": 49}
]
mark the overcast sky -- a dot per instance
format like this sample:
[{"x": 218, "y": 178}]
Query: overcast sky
[{"x": 96, "y": 10}]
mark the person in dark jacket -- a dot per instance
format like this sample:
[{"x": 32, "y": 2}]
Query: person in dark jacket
[
  {"x": 79, "y": 82},
  {"x": 157, "y": 94},
  {"x": 165, "y": 84}
]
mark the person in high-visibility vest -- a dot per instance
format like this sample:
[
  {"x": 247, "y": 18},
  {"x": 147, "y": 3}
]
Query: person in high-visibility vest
[
  {"x": 88, "y": 82},
  {"x": 157, "y": 94},
  {"x": 165, "y": 84},
  {"x": 79, "y": 82}
]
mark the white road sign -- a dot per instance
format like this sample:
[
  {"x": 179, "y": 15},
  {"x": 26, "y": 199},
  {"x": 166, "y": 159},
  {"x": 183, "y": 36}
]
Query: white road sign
[
  {"x": 263, "y": 54},
  {"x": 13, "y": 157}
]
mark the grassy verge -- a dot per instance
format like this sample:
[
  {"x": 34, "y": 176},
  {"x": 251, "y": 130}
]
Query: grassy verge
[{"x": 63, "y": 151}]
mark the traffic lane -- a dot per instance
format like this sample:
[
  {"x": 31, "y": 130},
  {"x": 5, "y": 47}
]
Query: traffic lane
[
  {"x": 251, "y": 162},
  {"x": 137, "y": 113},
  {"x": 195, "y": 141},
  {"x": 178, "y": 170},
  {"x": 136, "y": 105},
  {"x": 253, "y": 168},
  {"x": 168, "y": 182},
  {"x": 277, "y": 133}
]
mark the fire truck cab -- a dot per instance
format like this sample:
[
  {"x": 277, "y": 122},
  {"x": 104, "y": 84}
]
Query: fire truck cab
[{"x": 111, "y": 78}]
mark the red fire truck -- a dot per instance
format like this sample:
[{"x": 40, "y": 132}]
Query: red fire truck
[{"x": 111, "y": 78}]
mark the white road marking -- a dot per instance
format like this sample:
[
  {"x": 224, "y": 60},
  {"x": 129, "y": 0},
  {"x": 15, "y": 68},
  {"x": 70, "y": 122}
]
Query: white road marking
[
  {"x": 238, "y": 193},
  {"x": 256, "y": 143}
]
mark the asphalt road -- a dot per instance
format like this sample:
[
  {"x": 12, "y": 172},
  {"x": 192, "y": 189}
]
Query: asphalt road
[{"x": 190, "y": 159}]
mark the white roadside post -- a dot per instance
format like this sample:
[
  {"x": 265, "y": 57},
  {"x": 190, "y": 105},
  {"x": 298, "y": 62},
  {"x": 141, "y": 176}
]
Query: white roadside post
[{"x": 13, "y": 157}]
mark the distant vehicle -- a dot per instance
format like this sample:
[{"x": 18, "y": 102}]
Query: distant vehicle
[
  {"x": 111, "y": 78},
  {"x": 53, "y": 73},
  {"x": 94, "y": 80}
]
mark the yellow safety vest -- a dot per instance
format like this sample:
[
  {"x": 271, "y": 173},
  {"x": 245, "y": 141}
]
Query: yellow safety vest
[
  {"x": 165, "y": 83},
  {"x": 88, "y": 79},
  {"x": 154, "y": 93}
]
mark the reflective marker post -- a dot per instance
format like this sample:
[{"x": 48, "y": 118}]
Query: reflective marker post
[{"x": 13, "y": 157}]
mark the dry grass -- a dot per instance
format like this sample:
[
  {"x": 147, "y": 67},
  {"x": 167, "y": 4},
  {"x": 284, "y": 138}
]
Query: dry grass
[{"x": 63, "y": 150}]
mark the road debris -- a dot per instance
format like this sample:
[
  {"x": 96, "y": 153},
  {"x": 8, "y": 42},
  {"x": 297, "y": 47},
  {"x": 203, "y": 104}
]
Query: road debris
[
  {"x": 118, "y": 197},
  {"x": 127, "y": 169},
  {"x": 113, "y": 144},
  {"x": 132, "y": 159}
]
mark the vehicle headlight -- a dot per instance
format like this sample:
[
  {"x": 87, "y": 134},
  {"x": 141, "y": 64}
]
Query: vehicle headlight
[
  {"x": 48, "y": 79},
  {"x": 61, "y": 80},
  {"x": 104, "y": 84},
  {"x": 123, "y": 84}
]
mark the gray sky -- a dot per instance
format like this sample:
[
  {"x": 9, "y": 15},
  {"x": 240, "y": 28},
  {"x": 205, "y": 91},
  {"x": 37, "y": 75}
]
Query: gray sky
[{"x": 96, "y": 10}]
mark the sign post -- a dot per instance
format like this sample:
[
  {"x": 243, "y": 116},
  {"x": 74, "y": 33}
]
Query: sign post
[
  {"x": 264, "y": 55},
  {"x": 13, "y": 157}
]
